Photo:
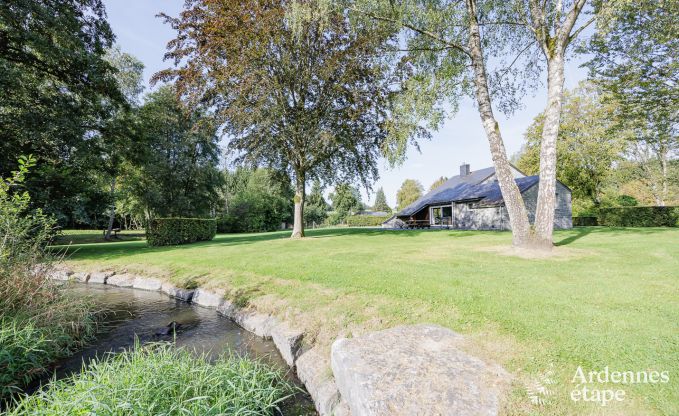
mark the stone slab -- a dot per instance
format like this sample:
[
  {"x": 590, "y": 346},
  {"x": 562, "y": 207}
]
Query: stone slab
[
  {"x": 257, "y": 323},
  {"x": 414, "y": 370},
  {"x": 206, "y": 298},
  {"x": 288, "y": 341},
  {"x": 81, "y": 277},
  {"x": 182, "y": 294},
  {"x": 121, "y": 280},
  {"x": 147, "y": 283},
  {"x": 99, "y": 277},
  {"x": 313, "y": 369}
]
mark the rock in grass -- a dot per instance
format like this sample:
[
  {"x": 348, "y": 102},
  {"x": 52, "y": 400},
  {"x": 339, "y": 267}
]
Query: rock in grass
[
  {"x": 413, "y": 370},
  {"x": 81, "y": 277}
]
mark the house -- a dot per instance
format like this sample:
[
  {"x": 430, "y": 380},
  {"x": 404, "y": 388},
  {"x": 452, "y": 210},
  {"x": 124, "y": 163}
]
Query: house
[{"x": 473, "y": 201}]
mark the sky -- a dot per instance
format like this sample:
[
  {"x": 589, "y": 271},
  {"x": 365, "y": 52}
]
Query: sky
[{"x": 460, "y": 140}]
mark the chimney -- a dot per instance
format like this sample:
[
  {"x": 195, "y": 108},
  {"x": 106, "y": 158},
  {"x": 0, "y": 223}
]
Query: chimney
[{"x": 464, "y": 169}]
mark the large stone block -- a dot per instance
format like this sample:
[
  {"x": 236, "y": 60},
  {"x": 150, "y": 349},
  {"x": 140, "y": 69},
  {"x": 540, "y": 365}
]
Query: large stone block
[
  {"x": 121, "y": 280},
  {"x": 81, "y": 277},
  {"x": 99, "y": 277},
  {"x": 414, "y": 370},
  {"x": 206, "y": 298},
  {"x": 257, "y": 323},
  {"x": 147, "y": 283},
  {"x": 314, "y": 371},
  {"x": 288, "y": 341},
  {"x": 171, "y": 290}
]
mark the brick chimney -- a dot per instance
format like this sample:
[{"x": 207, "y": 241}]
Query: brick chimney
[{"x": 464, "y": 169}]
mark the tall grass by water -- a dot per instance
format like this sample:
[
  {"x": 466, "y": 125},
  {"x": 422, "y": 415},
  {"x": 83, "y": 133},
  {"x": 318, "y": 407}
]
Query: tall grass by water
[{"x": 161, "y": 379}]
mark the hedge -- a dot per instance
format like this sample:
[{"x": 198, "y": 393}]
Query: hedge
[
  {"x": 366, "y": 220},
  {"x": 174, "y": 231},
  {"x": 585, "y": 221},
  {"x": 639, "y": 217}
]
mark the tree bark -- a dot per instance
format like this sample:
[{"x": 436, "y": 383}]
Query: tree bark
[
  {"x": 516, "y": 208},
  {"x": 298, "y": 227},
  {"x": 112, "y": 214},
  {"x": 544, "y": 213}
]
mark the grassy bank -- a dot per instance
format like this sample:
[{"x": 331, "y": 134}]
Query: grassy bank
[
  {"x": 160, "y": 379},
  {"x": 607, "y": 298}
]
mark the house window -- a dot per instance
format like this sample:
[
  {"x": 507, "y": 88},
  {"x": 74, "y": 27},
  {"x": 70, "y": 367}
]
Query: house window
[{"x": 470, "y": 205}]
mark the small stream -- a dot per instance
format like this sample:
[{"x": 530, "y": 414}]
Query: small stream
[{"x": 131, "y": 314}]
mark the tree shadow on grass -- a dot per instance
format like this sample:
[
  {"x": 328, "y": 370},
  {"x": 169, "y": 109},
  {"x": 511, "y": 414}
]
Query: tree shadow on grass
[{"x": 577, "y": 233}]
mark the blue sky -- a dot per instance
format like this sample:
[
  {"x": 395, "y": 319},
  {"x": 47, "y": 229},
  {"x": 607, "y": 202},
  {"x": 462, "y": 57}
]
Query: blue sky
[{"x": 461, "y": 139}]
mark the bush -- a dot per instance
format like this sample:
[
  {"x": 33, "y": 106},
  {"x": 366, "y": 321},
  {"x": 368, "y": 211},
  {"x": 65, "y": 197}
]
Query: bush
[
  {"x": 160, "y": 379},
  {"x": 174, "y": 231},
  {"x": 583, "y": 221},
  {"x": 366, "y": 220},
  {"x": 639, "y": 217}
]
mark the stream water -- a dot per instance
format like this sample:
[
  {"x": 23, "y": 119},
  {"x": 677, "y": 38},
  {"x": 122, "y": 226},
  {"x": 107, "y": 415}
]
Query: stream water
[{"x": 130, "y": 314}]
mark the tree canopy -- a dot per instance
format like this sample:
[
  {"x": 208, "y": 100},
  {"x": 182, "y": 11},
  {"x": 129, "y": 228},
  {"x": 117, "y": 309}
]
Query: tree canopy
[
  {"x": 310, "y": 98},
  {"x": 410, "y": 191},
  {"x": 381, "y": 201}
]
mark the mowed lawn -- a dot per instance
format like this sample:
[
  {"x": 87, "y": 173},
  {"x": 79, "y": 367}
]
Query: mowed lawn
[{"x": 609, "y": 298}]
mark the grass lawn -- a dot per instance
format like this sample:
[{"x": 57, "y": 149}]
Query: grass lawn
[
  {"x": 610, "y": 298},
  {"x": 96, "y": 236}
]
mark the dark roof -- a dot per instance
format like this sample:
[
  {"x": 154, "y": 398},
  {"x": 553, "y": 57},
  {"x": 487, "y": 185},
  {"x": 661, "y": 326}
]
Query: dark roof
[{"x": 467, "y": 188}]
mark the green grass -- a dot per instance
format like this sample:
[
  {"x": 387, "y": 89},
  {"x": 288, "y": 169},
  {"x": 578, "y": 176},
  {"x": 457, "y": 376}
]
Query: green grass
[
  {"x": 96, "y": 236},
  {"x": 162, "y": 380},
  {"x": 610, "y": 298}
]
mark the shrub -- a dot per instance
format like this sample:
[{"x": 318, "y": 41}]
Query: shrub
[
  {"x": 37, "y": 322},
  {"x": 366, "y": 220},
  {"x": 639, "y": 216},
  {"x": 585, "y": 221},
  {"x": 174, "y": 231},
  {"x": 160, "y": 379}
]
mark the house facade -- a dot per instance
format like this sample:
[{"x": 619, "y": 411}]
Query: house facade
[{"x": 472, "y": 201}]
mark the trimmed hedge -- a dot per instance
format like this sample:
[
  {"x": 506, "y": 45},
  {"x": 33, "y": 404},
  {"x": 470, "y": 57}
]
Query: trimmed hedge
[
  {"x": 585, "y": 221},
  {"x": 174, "y": 231},
  {"x": 366, "y": 220},
  {"x": 639, "y": 217}
]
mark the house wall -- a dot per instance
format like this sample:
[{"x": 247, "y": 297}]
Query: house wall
[
  {"x": 563, "y": 217},
  {"x": 497, "y": 218}
]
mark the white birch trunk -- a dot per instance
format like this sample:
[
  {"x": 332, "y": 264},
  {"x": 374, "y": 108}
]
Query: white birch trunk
[
  {"x": 516, "y": 208},
  {"x": 298, "y": 227},
  {"x": 544, "y": 213}
]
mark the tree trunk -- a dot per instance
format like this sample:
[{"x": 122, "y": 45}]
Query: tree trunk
[
  {"x": 298, "y": 227},
  {"x": 544, "y": 213},
  {"x": 516, "y": 208},
  {"x": 112, "y": 214}
]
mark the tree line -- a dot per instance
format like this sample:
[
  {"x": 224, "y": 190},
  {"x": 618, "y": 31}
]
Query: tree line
[{"x": 317, "y": 92}]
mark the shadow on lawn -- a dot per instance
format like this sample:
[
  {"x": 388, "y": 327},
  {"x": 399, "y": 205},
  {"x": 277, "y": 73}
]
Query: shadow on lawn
[{"x": 577, "y": 233}]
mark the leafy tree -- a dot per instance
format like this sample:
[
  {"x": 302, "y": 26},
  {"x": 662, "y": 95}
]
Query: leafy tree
[
  {"x": 589, "y": 144},
  {"x": 179, "y": 176},
  {"x": 315, "y": 208},
  {"x": 440, "y": 181},
  {"x": 410, "y": 191},
  {"x": 261, "y": 199},
  {"x": 57, "y": 91},
  {"x": 117, "y": 139},
  {"x": 346, "y": 200},
  {"x": 636, "y": 61},
  {"x": 309, "y": 97},
  {"x": 492, "y": 51},
  {"x": 381, "y": 202}
]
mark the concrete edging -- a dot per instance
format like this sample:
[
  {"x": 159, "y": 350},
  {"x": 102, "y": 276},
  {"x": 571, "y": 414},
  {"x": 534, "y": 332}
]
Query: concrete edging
[{"x": 312, "y": 367}]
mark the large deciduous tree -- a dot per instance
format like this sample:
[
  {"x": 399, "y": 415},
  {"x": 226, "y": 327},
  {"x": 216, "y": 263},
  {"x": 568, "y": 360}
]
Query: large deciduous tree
[
  {"x": 309, "y": 96},
  {"x": 493, "y": 51},
  {"x": 590, "y": 144},
  {"x": 636, "y": 61},
  {"x": 57, "y": 90},
  {"x": 409, "y": 192}
]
